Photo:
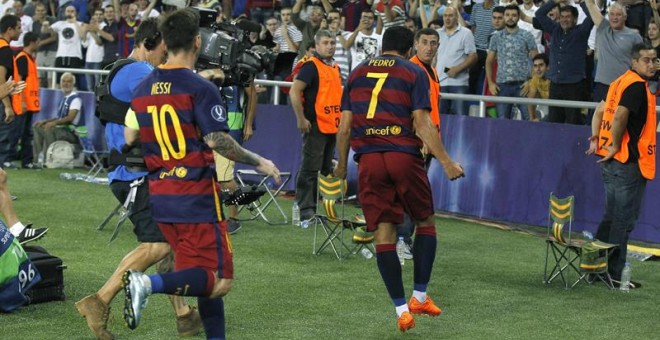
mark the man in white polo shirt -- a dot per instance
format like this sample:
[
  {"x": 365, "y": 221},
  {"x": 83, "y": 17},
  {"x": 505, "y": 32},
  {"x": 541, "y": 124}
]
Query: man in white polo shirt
[{"x": 453, "y": 65}]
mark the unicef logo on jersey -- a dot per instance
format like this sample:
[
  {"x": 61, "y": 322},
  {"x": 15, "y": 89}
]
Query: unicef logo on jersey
[{"x": 218, "y": 113}]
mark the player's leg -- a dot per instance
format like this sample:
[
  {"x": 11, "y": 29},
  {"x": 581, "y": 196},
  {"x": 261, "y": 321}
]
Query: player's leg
[
  {"x": 204, "y": 268},
  {"x": 382, "y": 212},
  {"x": 23, "y": 233},
  {"x": 414, "y": 190}
]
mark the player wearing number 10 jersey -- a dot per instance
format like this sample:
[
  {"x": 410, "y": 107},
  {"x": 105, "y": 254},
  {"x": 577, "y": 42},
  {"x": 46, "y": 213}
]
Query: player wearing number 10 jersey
[
  {"x": 181, "y": 118},
  {"x": 385, "y": 113}
]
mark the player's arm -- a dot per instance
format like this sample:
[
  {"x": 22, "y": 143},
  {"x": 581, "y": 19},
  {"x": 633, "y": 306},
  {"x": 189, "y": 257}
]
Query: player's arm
[
  {"x": 223, "y": 144},
  {"x": 343, "y": 145},
  {"x": 428, "y": 133}
]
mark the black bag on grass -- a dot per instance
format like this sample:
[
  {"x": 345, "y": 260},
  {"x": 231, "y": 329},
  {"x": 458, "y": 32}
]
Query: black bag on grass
[{"x": 51, "y": 286}]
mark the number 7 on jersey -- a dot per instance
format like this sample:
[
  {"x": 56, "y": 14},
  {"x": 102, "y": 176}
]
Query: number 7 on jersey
[{"x": 376, "y": 90}]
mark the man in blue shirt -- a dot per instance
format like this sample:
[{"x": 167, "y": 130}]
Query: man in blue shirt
[
  {"x": 567, "y": 69},
  {"x": 125, "y": 184}
]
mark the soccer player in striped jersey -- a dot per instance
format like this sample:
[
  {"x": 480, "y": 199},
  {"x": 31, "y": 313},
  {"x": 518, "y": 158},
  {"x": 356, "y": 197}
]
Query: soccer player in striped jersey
[
  {"x": 179, "y": 118},
  {"x": 385, "y": 116}
]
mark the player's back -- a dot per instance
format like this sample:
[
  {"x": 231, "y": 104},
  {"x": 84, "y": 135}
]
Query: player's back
[
  {"x": 175, "y": 108},
  {"x": 382, "y": 93}
]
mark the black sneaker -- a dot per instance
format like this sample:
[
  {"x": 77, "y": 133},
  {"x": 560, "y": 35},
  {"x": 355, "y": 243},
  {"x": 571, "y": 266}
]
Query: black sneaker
[
  {"x": 31, "y": 234},
  {"x": 233, "y": 226},
  {"x": 632, "y": 285}
]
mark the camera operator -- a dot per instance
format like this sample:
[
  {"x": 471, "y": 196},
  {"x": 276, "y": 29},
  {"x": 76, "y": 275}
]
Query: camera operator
[{"x": 124, "y": 183}]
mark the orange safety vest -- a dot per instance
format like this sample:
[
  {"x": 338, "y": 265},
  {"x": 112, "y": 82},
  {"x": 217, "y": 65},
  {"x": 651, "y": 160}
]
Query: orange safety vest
[
  {"x": 3, "y": 44},
  {"x": 434, "y": 95},
  {"x": 31, "y": 92},
  {"x": 646, "y": 143},
  {"x": 328, "y": 97}
]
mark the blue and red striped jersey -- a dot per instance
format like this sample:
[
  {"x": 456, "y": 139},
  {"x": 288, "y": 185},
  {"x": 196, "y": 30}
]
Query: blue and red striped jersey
[
  {"x": 382, "y": 93},
  {"x": 175, "y": 108}
]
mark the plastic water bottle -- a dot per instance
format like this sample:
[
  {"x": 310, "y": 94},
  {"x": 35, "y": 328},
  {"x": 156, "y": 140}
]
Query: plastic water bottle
[
  {"x": 400, "y": 249},
  {"x": 626, "y": 274},
  {"x": 366, "y": 253},
  {"x": 587, "y": 235},
  {"x": 66, "y": 176},
  {"x": 295, "y": 214}
]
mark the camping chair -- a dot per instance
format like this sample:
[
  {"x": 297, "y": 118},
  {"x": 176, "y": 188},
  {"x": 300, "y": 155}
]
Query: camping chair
[
  {"x": 330, "y": 218},
  {"x": 582, "y": 260},
  {"x": 92, "y": 156}
]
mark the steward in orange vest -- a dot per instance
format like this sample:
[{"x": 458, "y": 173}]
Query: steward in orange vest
[
  {"x": 434, "y": 86},
  {"x": 639, "y": 143},
  {"x": 623, "y": 129},
  {"x": 29, "y": 96},
  {"x": 318, "y": 85},
  {"x": 328, "y": 96}
]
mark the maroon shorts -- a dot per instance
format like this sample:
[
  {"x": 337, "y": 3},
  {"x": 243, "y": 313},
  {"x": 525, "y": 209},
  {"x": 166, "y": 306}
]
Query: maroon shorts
[
  {"x": 391, "y": 182},
  {"x": 200, "y": 245}
]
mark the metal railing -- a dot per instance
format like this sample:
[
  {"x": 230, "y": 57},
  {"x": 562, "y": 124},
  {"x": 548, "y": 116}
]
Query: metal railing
[{"x": 482, "y": 100}]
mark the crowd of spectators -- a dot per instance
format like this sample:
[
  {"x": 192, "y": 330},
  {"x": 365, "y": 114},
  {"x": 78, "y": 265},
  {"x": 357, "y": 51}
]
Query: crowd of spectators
[{"x": 582, "y": 40}]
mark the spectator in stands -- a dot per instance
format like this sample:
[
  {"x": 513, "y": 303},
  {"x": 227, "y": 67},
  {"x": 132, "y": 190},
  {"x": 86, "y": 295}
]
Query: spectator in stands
[
  {"x": 146, "y": 9},
  {"x": 342, "y": 55},
  {"x": 69, "y": 45},
  {"x": 511, "y": 47},
  {"x": 426, "y": 11},
  {"x": 482, "y": 27},
  {"x": 453, "y": 64},
  {"x": 364, "y": 42},
  {"x": 109, "y": 34},
  {"x": 47, "y": 41},
  {"x": 26, "y": 104},
  {"x": 538, "y": 87},
  {"x": 411, "y": 25},
  {"x": 287, "y": 37},
  {"x": 639, "y": 13},
  {"x": 26, "y": 24},
  {"x": 94, "y": 44},
  {"x": 6, "y": 6},
  {"x": 352, "y": 11},
  {"x": 262, "y": 9},
  {"x": 308, "y": 28},
  {"x": 267, "y": 33},
  {"x": 126, "y": 26},
  {"x": 614, "y": 41},
  {"x": 390, "y": 13},
  {"x": 529, "y": 9},
  {"x": 568, "y": 46},
  {"x": 10, "y": 29},
  {"x": 67, "y": 118}
]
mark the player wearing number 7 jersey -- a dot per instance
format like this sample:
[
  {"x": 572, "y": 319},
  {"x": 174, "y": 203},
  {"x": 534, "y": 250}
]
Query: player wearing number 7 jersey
[
  {"x": 385, "y": 115},
  {"x": 181, "y": 118}
]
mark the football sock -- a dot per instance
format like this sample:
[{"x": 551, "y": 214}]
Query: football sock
[
  {"x": 17, "y": 228},
  {"x": 419, "y": 292},
  {"x": 390, "y": 271},
  {"x": 212, "y": 312},
  {"x": 424, "y": 249},
  {"x": 401, "y": 309},
  {"x": 187, "y": 282}
]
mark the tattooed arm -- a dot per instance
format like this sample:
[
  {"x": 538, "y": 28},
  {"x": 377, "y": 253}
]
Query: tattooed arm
[{"x": 223, "y": 144}]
